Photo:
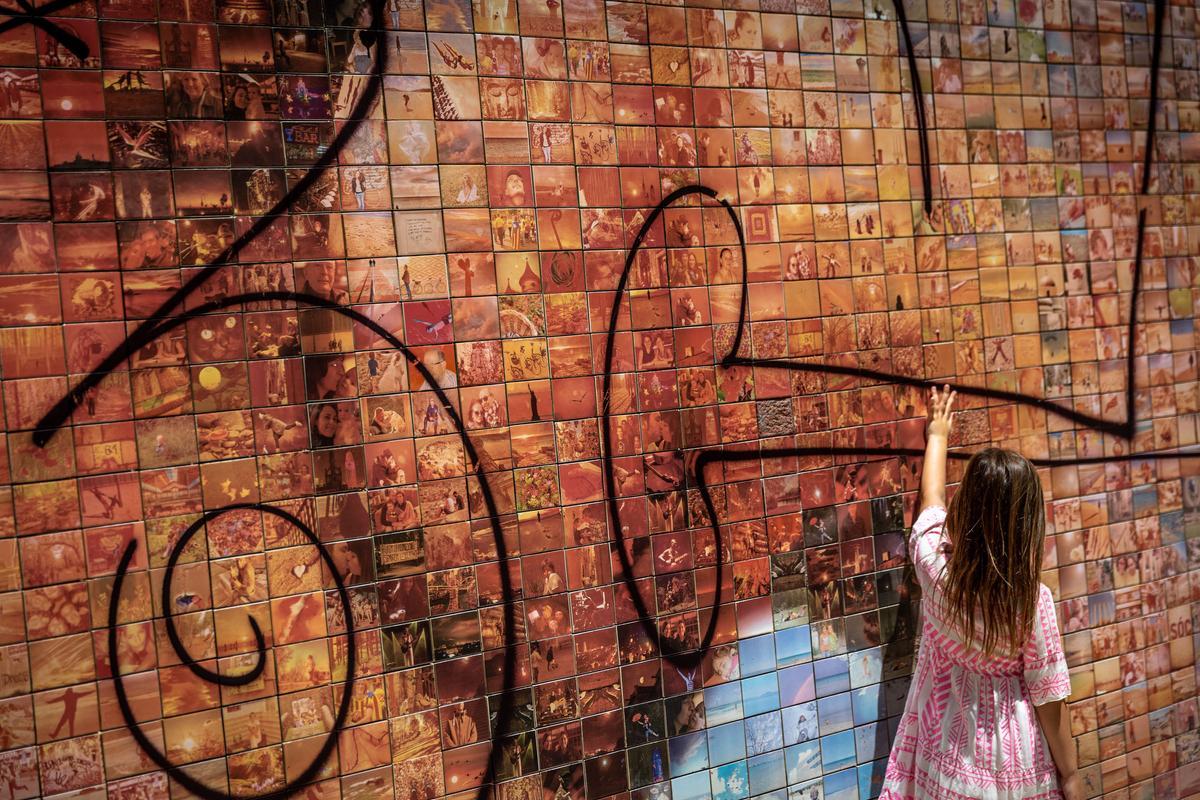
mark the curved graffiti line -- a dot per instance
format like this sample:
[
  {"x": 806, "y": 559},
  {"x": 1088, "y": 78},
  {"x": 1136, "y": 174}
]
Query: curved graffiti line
[
  {"x": 176, "y": 772},
  {"x": 68, "y": 403},
  {"x": 708, "y": 456},
  {"x": 1124, "y": 430},
  {"x": 506, "y": 711},
  {"x": 690, "y": 659}
]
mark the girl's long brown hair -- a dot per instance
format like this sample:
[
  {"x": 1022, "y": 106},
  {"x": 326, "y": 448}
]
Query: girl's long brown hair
[{"x": 997, "y": 524}]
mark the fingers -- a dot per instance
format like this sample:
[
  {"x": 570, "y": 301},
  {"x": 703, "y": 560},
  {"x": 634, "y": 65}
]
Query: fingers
[
  {"x": 941, "y": 403},
  {"x": 937, "y": 399}
]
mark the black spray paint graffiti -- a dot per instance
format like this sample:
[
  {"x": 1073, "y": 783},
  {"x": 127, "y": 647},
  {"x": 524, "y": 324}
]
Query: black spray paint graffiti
[
  {"x": 183, "y": 778},
  {"x": 506, "y": 710},
  {"x": 36, "y": 16},
  {"x": 160, "y": 322},
  {"x": 918, "y": 104},
  {"x": 1124, "y": 429},
  {"x": 143, "y": 334}
]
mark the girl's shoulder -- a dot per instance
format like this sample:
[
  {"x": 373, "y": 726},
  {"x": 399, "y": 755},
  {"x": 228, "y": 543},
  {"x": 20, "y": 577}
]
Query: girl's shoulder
[{"x": 929, "y": 518}]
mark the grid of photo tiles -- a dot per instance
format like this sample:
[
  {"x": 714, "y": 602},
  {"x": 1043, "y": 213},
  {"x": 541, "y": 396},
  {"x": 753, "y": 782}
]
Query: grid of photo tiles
[{"x": 489, "y": 421}]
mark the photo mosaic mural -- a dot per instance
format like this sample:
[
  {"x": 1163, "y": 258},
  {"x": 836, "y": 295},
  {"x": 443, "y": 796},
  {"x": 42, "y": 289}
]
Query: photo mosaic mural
[{"x": 525, "y": 399}]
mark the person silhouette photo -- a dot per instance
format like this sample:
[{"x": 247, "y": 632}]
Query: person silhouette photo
[{"x": 70, "y": 700}]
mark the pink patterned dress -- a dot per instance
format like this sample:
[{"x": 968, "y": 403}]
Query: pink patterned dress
[{"x": 969, "y": 729}]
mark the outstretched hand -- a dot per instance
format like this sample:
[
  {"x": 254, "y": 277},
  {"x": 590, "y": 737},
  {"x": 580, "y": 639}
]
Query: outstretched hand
[
  {"x": 937, "y": 437},
  {"x": 941, "y": 408}
]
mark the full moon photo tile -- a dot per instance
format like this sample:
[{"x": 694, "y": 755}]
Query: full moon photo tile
[{"x": 525, "y": 399}]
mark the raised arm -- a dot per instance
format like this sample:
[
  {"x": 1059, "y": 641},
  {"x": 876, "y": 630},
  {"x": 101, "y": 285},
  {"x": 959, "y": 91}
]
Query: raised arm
[{"x": 937, "y": 434}]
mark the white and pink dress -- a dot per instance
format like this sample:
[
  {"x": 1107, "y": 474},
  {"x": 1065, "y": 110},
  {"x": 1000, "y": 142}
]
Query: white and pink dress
[{"x": 969, "y": 729}]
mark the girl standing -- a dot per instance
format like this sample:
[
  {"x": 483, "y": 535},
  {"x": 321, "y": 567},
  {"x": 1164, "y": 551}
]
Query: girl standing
[{"x": 986, "y": 715}]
